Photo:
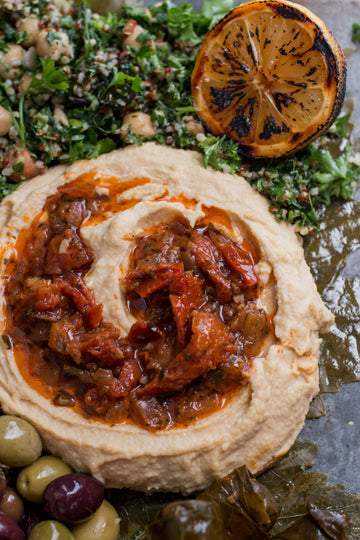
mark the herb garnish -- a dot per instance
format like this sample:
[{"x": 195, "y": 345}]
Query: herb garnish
[
  {"x": 299, "y": 185},
  {"x": 356, "y": 32}
]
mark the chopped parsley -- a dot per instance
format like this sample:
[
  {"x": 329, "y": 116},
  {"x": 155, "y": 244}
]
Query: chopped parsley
[
  {"x": 356, "y": 32},
  {"x": 6, "y": 188},
  {"x": 299, "y": 185},
  {"x": 74, "y": 105}
]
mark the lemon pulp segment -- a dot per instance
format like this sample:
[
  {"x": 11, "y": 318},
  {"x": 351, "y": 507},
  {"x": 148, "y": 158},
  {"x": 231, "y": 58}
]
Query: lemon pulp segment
[{"x": 270, "y": 77}]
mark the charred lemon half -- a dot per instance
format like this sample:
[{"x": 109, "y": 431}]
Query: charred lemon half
[{"x": 271, "y": 76}]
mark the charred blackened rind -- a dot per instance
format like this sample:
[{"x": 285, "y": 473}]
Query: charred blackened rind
[
  {"x": 230, "y": 83},
  {"x": 287, "y": 11},
  {"x": 270, "y": 127}
]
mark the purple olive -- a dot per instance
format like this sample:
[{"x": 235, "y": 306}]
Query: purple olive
[
  {"x": 9, "y": 530},
  {"x": 12, "y": 505},
  {"x": 73, "y": 497},
  {"x": 33, "y": 514}
]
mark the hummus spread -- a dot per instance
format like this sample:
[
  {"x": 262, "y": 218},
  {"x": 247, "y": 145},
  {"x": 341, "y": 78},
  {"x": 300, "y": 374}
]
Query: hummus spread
[{"x": 260, "y": 420}]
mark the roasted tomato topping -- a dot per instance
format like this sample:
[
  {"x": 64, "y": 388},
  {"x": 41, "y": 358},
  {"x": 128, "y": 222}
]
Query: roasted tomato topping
[{"x": 192, "y": 291}]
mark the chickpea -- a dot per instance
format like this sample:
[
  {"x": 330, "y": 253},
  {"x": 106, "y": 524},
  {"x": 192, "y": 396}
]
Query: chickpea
[
  {"x": 57, "y": 49},
  {"x": 131, "y": 31},
  {"x": 195, "y": 127},
  {"x": 5, "y": 121},
  {"x": 31, "y": 27},
  {"x": 30, "y": 58},
  {"x": 31, "y": 169},
  {"x": 24, "y": 83},
  {"x": 64, "y": 6},
  {"x": 10, "y": 62},
  {"x": 60, "y": 117},
  {"x": 140, "y": 124}
]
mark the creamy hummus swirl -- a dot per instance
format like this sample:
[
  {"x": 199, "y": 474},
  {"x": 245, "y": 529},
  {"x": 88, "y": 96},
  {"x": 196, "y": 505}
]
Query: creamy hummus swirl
[{"x": 262, "y": 420}]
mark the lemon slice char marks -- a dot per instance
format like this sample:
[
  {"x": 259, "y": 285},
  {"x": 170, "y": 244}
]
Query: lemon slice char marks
[{"x": 270, "y": 77}]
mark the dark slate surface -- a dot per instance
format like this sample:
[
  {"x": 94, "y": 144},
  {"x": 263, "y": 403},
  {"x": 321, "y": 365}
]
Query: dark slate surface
[{"x": 338, "y": 433}]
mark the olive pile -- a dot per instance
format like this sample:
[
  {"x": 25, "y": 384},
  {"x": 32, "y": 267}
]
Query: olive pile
[{"x": 50, "y": 501}]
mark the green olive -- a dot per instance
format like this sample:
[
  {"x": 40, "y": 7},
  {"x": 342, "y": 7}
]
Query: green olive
[
  {"x": 50, "y": 530},
  {"x": 32, "y": 480},
  {"x": 103, "y": 525},
  {"x": 20, "y": 443}
]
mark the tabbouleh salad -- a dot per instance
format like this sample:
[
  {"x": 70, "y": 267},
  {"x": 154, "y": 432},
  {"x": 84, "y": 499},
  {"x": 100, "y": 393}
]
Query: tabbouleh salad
[{"x": 75, "y": 84}]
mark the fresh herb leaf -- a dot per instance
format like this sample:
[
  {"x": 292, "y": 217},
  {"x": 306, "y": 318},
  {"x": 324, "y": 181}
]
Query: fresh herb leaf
[
  {"x": 6, "y": 188},
  {"x": 52, "y": 36},
  {"x": 4, "y": 47},
  {"x": 105, "y": 27},
  {"x": 181, "y": 21},
  {"x": 220, "y": 153},
  {"x": 102, "y": 147},
  {"x": 356, "y": 32},
  {"x": 340, "y": 126},
  {"x": 133, "y": 138},
  {"x": 299, "y": 185},
  {"x": 76, "y": 124},
  {"x": 214, "y": 10},
  {"x": 20, "y": 37},
  {"x": 19, "y": 167},
  {"x": 120, "y": 78},
  {"x": 188, "y": 109},
  {"x": 52, "y": 79},
  {"x": 76, "y": 151},
  {"x": 336, "y": 177},
  {"x": 8, "y": 30}
]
